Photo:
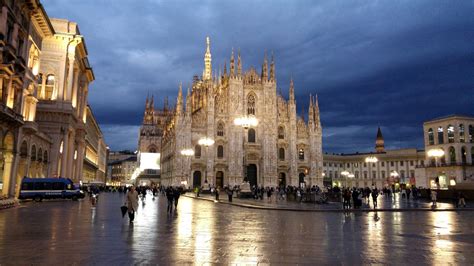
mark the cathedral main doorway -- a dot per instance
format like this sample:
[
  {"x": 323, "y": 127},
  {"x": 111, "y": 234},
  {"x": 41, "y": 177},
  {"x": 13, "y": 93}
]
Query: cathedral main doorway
[
  {"x": 282, "y": 180},
  {"x": 197, "y": 179},
  {"x": 220, "y": 179},
  {"x": 252, "y": 174}
]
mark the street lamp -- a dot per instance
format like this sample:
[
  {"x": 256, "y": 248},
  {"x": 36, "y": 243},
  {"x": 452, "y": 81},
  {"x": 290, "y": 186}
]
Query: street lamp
[
  {"x": 370, "y": 160},
  {"x": 206, "y": 142},
  {"x": 436, "y": 153},
  {"x": 245, "y": 122}
]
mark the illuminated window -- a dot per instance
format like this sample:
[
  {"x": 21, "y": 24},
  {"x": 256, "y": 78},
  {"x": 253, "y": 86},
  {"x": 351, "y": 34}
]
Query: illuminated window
[
  {"x": 301, "y": 154},
  {"x": 50, "y": 81},
  {"x": 471, "y": 133},
  {"x": 440, "y": 135},
  {"x": 461, "y": 133},
  {"x": 450, "y": 134}
]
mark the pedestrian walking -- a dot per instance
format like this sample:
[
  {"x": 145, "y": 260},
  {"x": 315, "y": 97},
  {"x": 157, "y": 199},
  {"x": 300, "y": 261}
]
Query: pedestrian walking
[
  {"x": 462, "y": 200},
  {"x": 217, "y": 193},
  {"x": 132, "y": 203},
  {"x": 229, "y": 194},
  {"x": 176, "y": 195},
  {"x": 170, "y": 197},
  {"x": 375, "y": 194},
  {"x": 434, "y": 194}
]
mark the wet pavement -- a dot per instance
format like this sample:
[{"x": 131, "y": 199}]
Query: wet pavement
[
  {"x": 384, "y": 203},
  {"x": 203, "y": 232}
]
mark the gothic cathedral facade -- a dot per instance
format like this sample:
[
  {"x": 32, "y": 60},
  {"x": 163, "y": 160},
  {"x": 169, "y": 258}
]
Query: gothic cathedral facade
[{"x": 281, "y": 149}]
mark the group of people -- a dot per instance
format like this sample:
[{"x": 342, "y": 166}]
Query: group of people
[
  {"x": 356, "y": 196},
  {"x": 133, "y": 195}
]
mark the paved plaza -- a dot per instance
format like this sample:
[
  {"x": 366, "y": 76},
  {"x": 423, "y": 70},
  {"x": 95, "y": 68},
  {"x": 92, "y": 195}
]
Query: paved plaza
[{"x": 202, "y": 232}]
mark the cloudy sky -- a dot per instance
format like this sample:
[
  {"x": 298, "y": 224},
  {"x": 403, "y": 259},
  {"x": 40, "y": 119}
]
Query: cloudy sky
[{"x": 392, "y": 64}]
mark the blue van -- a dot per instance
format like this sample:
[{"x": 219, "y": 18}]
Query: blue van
[{"x": 49, "y": 188}]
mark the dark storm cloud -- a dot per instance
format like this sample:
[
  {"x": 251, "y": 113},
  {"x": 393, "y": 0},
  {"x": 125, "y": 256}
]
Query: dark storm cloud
[{"x": 392, "y": 64}]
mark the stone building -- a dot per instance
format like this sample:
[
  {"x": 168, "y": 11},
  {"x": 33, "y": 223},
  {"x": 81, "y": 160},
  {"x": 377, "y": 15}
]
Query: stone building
[
  {"x": 282, "y": 149},
  {"x": 44, "y": 78},
  {"x": 454, "y": 135},
  {"x": 94, "y": 165},
  {"x": 122, "y": 170}
]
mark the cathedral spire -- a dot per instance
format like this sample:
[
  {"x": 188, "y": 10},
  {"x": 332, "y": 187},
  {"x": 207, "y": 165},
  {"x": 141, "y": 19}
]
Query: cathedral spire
[
  {"x": 239, "y": 65},
  {"x": 265, "y": 68},
  {"x": 225, "y": 69},
  {"x": 292, "y": 91},
  {"x": 147, "y": 103},
  {"x": 272, "y": 69},
  {"x": 152, "y": 103},
  {"x": 188, "y": 102},
  {"x": 179, "y": 101},
  {"x": 310, "y": 110},
  {"x": 207, "y": 61},
  {"x": 165, "y": 106},
  {"x": 232, "y": 64},
  {"x": 317, "y": 119}
]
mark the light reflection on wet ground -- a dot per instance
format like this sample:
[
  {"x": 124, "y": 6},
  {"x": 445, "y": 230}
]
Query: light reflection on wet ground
[{"x": 203, "y": 232}]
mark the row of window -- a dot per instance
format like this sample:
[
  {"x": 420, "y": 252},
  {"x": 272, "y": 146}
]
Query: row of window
[
  {"x": 382, "y": 163},
  {"x": 220, "y": 152},
  {"x": 365, "y": 174},
  {"x": 451, "y": 130}
]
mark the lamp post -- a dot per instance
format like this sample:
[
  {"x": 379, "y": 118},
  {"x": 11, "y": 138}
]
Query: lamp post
[
  {"x": 370, "y": 160},
  {"x": 436, "y": 153},
  {"x": 394, "y": 174},
  {"x": 187, "y": 153},
  {"x": 206, "y": 142},
  {"x": 245, "y": 122}
]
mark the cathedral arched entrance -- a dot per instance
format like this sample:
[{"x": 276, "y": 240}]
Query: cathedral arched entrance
[
  {"x": 282, "y": 180},
  {"x": 197, "y": 176},
  {"x": 252, "y": 174},
  {"x": 220, "y": 179}
]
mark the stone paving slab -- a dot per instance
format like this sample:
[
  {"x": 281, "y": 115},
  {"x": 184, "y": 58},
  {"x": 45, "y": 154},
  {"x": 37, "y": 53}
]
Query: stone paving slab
[{"x": 394, "y": 204}]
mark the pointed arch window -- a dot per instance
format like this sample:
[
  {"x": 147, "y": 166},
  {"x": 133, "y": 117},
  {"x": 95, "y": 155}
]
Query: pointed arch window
[
  {"x": 33, "y": 153},
  {"x": 251, "y": 135},
  {"x": 197, "y": 151},
  {"x": 281, "y": 154},
  {"x": 220, "y": 151},
  {"x": 220, "y": 129},
  {"x": 251, "y": 104},
  {"x": 281, "y": 132}
]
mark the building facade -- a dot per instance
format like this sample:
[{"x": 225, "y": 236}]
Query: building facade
[
  {"x": 44, "y": 78},
  {"x": 454, "y": 135},
  {"x": 282, "y": 149}
]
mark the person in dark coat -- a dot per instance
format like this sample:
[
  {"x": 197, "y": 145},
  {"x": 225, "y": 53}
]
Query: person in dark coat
[
  {"x": 176, "y": 194},
  {"x": 230, "y": 193},
  {"x": 170, "y": 197}
]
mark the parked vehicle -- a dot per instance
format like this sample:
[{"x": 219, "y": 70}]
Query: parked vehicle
[{"x": 49, "y": 188}]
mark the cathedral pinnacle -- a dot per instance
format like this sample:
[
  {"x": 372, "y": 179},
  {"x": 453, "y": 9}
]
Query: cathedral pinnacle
[
  {"x": 232, "y": 64},
  {"x": 310, "y": 110},
  {"x": 292, "y": 91},
  {"x": 179, "y": 102},
  {"x": 272, "y": 70},
  {"x": 207, "y": 73},
  {"x": 265, "y": 68},
  {"x": 316, "y": 111},
  {"x": 239, "y": 65}
]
